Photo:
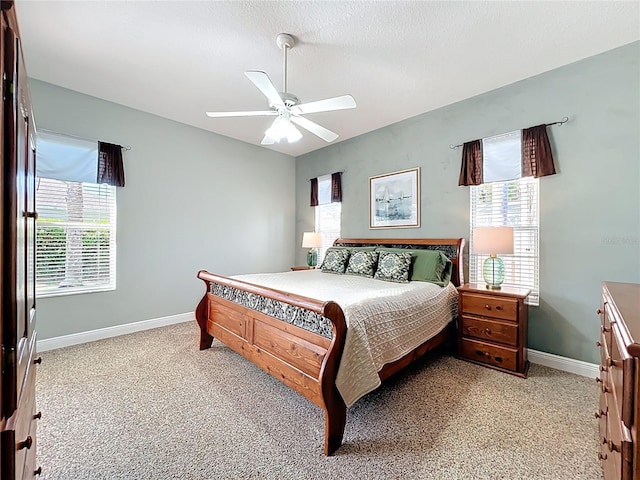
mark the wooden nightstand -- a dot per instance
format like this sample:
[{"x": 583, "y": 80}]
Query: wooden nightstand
[
  {"x": 302, "y": 267},
  {"x": 492, "y": 329}
]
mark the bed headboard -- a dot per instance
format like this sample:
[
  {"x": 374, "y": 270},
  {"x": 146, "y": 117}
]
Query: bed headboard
[{"x": 453, "y": 248}]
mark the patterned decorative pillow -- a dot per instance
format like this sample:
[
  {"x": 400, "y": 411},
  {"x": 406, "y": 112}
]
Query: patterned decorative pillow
[
  {"x": 335, "y": 260},
  {"x": 393, "y": 267},
  {"x": 362, "y": 263}
]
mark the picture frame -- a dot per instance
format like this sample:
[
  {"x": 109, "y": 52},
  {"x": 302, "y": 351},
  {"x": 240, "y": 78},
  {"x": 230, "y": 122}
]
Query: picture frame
[{"x": 394, "y": 199}]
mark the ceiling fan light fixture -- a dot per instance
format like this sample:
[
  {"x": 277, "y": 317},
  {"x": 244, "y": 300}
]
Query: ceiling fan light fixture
[{"x": 283, "y": 128}]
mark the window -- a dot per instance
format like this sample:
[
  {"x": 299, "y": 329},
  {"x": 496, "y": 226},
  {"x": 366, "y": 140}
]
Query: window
[
  {"x": 327, "y": 216},
  {"x": 508, "y": 201},
  {"x": 76, "y": 226},
  {"x": 509, "y": 204}
]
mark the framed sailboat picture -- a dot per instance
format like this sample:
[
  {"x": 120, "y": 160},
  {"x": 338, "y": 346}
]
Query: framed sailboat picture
[{"x": 394, "y": 199}]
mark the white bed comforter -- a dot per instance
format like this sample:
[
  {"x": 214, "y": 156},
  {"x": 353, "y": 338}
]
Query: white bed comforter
[{"x": 385, "y": 320}]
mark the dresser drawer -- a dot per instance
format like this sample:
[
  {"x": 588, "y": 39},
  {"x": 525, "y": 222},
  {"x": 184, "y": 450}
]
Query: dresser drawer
[
  {"x": 605, "y": 356},
  {"x": 601, "y": 414},
  {"x": 621, "y": 376},
  {"x": 618, "y": 447},
  {"x": 493, "y": 330},
  {"x": 496, "y": 307},
  {"x": 499, "y": 356}
]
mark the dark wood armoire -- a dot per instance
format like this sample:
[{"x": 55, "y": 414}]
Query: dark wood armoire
[{"x": 17, "y": 256}]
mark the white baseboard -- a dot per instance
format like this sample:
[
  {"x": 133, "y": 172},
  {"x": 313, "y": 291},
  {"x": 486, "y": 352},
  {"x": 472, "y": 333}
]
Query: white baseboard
[
  {"x": 99, "y": 334},
  {"x": 563, "y": 363}
]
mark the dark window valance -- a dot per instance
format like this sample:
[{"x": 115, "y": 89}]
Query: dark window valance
[
  {"x": 326, "y": 189},
  {"x": 537, "y": 159},
  {"x": 314, "y": 192},
  {"x": 336, "y": 187},
  {"x": 471, "y": 169},
  {"x": 110, "y": 165}
]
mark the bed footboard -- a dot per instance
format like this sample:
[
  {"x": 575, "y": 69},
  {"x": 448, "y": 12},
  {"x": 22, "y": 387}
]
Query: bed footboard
[{"x": 259, "y": 329}]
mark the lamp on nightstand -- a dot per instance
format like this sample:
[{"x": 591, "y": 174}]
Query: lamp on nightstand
[
  {"x": 312, "y": 240},
  {"x": 493, "y": 241}
]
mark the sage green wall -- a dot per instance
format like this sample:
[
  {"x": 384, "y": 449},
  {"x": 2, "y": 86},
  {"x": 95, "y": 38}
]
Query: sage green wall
[
  {"x": 589, "y": 211},
  {"x": 193, "y": 200}
]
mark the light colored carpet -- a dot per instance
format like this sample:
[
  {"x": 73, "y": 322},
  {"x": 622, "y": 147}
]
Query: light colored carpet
[{"x": 150, "y": 405}]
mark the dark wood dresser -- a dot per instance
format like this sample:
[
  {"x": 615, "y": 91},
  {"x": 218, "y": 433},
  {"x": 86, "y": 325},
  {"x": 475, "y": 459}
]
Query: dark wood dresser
[
  {"x": 493, "y": 327},
  {"x": 18, "y": 417},
  {"x": 619, "y": 410}
]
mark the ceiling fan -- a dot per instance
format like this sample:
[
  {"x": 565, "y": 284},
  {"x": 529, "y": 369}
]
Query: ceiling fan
[{"x": 287, "y": 108}]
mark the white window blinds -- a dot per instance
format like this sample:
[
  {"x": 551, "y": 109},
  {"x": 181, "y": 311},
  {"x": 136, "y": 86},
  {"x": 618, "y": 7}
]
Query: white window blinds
[
  {"x": 515, "y": 204},
  {"x": 328, "y": 225}
]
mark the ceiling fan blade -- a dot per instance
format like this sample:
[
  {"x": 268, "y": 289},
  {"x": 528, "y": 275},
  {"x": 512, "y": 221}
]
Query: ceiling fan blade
[
  {"x": 242, "y": 114},
  {"x": 320, "y": 131},
  {"x": 327, "y": 105},
  {"x": 264, "y": 84}
]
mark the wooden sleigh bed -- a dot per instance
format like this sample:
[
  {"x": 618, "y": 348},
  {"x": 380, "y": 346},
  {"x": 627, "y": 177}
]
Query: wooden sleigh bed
[{"x": 303, "y": 359}]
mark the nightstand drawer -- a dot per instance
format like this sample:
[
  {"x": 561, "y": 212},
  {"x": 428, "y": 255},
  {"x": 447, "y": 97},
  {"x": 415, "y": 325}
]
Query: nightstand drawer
[
  {"x": 493, "y": 330},
  {"x": 499, "y": 356},
  {"x": 496, "y": 307}
]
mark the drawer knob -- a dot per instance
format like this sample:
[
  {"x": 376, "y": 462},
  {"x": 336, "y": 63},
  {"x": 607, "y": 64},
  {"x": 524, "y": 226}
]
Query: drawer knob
[
  {"x": 604, "y": 388},
  {"x": 599, "y": 311},
  {"x": 38, "y": 471},
  {"x": 598, "y": 344},
  {"x": 600, "y": 413},
  {"x": 603, "y": 368},
  {"x": 602, "y": 457},
  {"x": 483, "y": 354},
  {"x": 37, "y": 416},
  {"x": 613, "y": 447},
  {"x": 604, "y": 329},
  {"x": 38, "y": 360},
  {"x": 498, "y": 307},
  {"x": 598, "y": 380},
  {"x": 26, "y": 444},
  {"x": 498, "y": 359},
  {"x": 487, "y": 331}
]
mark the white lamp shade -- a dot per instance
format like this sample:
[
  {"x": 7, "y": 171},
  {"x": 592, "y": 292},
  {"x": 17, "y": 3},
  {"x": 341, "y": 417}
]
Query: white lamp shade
[
  {"x": 311, "y": 240},
  {"x": 492, "y": 240},
  {"x": 283, "y": 128}
]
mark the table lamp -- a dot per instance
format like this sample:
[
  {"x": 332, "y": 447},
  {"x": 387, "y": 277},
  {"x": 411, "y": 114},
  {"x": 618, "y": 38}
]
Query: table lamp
[
  {"x": 312, "y": 240},
  {"x": 493, "y": 241}
]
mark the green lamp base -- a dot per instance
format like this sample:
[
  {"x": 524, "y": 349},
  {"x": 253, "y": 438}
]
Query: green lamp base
[
  {"x": 493, "y": 272},
  {"x": 312, "y": 257}
]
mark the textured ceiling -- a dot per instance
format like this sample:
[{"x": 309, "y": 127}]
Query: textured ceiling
[{"x": 398, "y": 59}]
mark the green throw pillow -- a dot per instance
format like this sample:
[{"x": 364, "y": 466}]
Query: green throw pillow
[
  {"x": 432, "y": 266},
  {"x": 427, "y": 265}
]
